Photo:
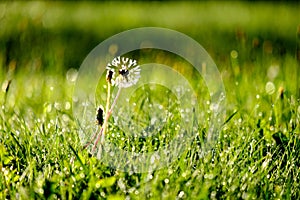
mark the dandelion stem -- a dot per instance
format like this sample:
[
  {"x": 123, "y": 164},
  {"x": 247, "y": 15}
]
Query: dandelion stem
[
  {"x": 115, "y": 100},
  {"x": 107, "y": 115},
  {"x": 97, "y": 140},
  {"x": 107, "y": 110},
  {"x": 87, "y": 144}
]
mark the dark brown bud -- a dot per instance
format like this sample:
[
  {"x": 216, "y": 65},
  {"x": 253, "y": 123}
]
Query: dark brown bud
[
  {"x": 109, "y": 76},
  {"x": 99, "y": 116}
]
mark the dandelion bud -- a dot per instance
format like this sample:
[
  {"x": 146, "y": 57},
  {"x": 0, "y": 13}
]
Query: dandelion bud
[
  {"x": 99, "y": 116},
  {"x": 109, "y": 76},
  {"x": 281, "y": 91}
]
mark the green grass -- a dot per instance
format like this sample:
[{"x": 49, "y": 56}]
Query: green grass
[{"x": 257, "y": 153}]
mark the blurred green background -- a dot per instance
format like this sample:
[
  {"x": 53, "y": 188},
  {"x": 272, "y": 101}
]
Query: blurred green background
[
  {"x": 250, "y": 42},
  {"x": 56, "y": 36}
]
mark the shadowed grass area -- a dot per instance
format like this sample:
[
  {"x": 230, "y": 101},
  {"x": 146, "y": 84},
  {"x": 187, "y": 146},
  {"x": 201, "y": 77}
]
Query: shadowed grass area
[{"x": 42, "y": 44}]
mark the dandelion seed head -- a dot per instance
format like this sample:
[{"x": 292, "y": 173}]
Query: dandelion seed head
[{"x": 123, "y": 72}]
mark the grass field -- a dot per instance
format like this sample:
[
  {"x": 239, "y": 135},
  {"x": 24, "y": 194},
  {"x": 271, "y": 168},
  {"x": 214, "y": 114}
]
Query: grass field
[{"x": 256, "y": 47}]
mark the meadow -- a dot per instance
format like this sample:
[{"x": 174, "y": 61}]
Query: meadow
[{"x": 256, "y": 47}]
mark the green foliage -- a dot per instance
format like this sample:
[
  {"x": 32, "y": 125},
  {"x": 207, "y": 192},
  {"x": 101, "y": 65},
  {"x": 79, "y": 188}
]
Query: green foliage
[{"x": 256, "y": 156}]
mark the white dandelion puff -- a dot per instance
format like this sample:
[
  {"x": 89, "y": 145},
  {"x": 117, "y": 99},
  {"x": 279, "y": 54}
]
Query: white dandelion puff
[{"x": 125, "y": 72}]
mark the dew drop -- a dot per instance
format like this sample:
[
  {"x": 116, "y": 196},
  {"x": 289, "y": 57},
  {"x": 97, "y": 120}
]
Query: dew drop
[
  {"x": 67, "y": 105},
  {"x": 234, "y": 54},
  {"x": 270, "y": 88},
  {"x": 181, "y": 194},
  {"x": 72, "y": 75}
]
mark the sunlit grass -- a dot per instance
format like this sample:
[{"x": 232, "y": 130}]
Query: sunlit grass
[{"x": 256, "y": 156}]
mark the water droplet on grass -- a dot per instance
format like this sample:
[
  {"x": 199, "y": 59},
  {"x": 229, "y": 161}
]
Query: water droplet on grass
[
  {"x": 234, "y": 54},
  {"x": 181, "y": 194},
  {"x": 273, "y": 71},
  {"x": 270, "y": 88},
  {"x": 57, "y": 106},
  {"x": 65, "y": 118},
  {"x": 67, "y": 105},
  {"x": 72, "y": 75}
]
